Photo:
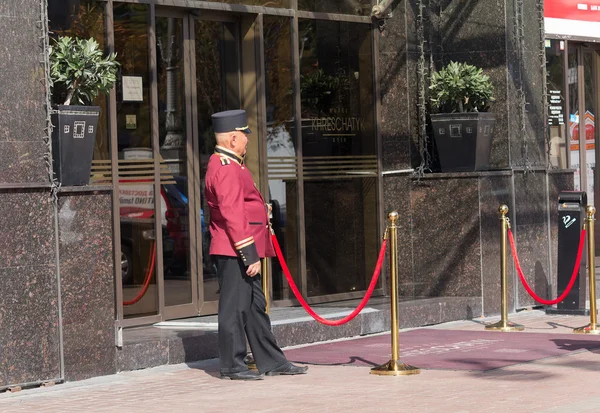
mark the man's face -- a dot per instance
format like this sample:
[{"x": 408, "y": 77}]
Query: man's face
[{"x": 240, "y": 143}]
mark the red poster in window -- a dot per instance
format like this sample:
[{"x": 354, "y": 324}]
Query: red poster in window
[{"x": 573, "y": 10}]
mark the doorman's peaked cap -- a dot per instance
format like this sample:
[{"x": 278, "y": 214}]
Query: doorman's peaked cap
[{"x": 230, "y": 120}]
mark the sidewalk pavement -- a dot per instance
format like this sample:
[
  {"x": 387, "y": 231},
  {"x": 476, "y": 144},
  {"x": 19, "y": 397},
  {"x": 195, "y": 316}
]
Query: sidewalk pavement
[{"x": 552, "y": 385}]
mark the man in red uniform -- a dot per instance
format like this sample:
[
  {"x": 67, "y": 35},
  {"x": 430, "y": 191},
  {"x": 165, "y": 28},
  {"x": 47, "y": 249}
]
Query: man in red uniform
[{"x": 240, "y": 237}]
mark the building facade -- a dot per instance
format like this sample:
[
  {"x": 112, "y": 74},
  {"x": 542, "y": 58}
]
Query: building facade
[{"x": 338, "y": 102}]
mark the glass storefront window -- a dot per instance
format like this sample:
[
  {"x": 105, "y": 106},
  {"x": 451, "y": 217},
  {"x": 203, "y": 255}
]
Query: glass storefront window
[
  {"x": 354, "y": 7},
  {"x": 339, "y": 155},
  {"x": 83, "y": 19},
  {"x": 556, "y": 103},
  {"x": 573, "y": 79},
  {"x": 174, "y": 193},
  {"x": 281, "y": 148},
  {"x": 136, "y": 163},
  {"x": 217, "y": 84},
  {"x": 588, "y": 136}
]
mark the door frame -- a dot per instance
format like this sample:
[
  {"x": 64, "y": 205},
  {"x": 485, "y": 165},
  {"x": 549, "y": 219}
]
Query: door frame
[
  {"x": 190, "y": 309},
  {"x": 252, "y": 80},
  {"x": 248, "y": 94},
  {"x": 197, "y": 306}
]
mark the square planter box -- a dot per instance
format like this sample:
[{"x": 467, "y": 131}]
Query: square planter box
[
  {"x": 463, "y": 140},
  {"x": 73, "y": 140}
]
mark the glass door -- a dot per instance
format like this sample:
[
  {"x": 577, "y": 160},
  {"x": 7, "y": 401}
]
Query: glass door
[
  {"x": 154, "y": 140},
  {"x": 136, "y": 163},
  {"x": 176, "y": 164},
  {"x": 339, "y": 158},
  {"x": 215, "y": 87},
  {"x": 178, "y": 67}
]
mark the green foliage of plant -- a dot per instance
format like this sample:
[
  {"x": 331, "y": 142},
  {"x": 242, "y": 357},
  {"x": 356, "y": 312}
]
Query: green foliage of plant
[
  {"x": 460, "y": 87},
  {"x": 80, "y": 67}
]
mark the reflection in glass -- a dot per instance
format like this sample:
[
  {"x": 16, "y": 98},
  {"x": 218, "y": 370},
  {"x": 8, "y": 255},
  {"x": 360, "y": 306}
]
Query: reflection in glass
[
  {"x": 588, "y": 136},
  {"x": 354, "y": 7},
  {"x": 574, "y": 115},
  {"x": 339, "y": 155},
  {"x": 84, "y": 19},
  {"x": 136, "y": 171},
  {"x": 174, "y": 194},
  {"x": 281, "y": 149},
  {"x": 217, "y": 85},
  {"x": 556, "y": 104}
]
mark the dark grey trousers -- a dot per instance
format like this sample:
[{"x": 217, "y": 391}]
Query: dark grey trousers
[{"x": 242, "y": 314}]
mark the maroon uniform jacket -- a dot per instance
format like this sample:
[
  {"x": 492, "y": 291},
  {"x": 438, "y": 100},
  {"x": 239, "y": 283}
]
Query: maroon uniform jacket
[{"x": 238, "y": 213}]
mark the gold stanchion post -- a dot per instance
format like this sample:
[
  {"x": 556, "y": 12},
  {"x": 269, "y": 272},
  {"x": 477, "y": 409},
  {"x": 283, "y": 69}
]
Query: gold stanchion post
[
  {"x": 266, "y": 275},
  {"x": 504, "y": 324},
  {"x": 394, "y": 367},
  {"x": 592, "y": 327}
]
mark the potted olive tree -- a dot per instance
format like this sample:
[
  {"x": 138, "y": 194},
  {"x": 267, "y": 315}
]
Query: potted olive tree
[
  {"x": 463, "y": 128},
  {"x": 79, "y": 71}
]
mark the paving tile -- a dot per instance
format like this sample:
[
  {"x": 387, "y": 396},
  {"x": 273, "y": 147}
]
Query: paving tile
[{"x": 557, "y": 384}]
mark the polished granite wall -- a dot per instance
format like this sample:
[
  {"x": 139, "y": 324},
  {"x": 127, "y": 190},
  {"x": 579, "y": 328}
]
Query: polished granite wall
[
  {"x": 87, "y": 282},
  {"x": 503, "y": 37},
  {"x": 31, "y": 300},
  {"x": 29, "y": 325},
  {"x": 449, "y": 237},
  {"x": 449, "y": 240},
  {"x": 22, "y": 93},
  {"x": 29, "y": 334}
]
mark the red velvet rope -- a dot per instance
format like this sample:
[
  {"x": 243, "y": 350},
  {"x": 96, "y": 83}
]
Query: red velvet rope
[
  {"x": 151, "y": 262},
  {"x": 304, "y": 304},
  {"x": 573, "y": 276}
]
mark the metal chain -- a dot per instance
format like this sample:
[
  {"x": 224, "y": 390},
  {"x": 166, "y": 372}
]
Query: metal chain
[
  {"x": 521, "y": 96},
  {"x": 542, "y": 55},
  {"x": 45, "y": 38},
  {"x": 422, "y": 95}
]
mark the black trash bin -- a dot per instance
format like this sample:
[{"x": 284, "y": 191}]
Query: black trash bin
[
  {"x": 571, "y": 218},
  {"x": 73, "y": 139}
]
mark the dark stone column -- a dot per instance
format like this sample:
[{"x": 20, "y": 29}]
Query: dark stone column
[
  {"x": 506, "y": 39},
  {"x": 445, "y": 234},
  {"x": 503, "y": 37},
  {"x": 494, "y": 190},
  {"x": 29, "y": 294},
  {"x": 29, "y": 335},
  {"x": 29, "y": 324},
  {"x": 87, "y": 283},
  {"x": 22, "y": 94},
  {"x": 397, "y": 190}
]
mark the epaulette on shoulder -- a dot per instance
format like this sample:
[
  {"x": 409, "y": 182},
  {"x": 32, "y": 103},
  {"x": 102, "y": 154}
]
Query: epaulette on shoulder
[{"x": 225, "y": 160}]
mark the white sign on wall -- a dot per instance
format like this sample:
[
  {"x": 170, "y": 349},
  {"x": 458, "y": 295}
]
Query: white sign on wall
[{"x": 133, "y": 89}]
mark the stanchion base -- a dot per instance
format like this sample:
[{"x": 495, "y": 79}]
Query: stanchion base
[
  {"x": 394, "y": 368},
  {"x": 508, "y": 326},
  {"x": 589, "y": 329}
]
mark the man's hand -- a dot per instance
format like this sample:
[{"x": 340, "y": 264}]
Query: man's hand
[{"x": 253, "y": 269}]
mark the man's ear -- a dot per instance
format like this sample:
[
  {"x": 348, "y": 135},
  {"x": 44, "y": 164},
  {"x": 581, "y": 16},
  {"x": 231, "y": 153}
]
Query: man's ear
[{"x": 232, "y": 140}]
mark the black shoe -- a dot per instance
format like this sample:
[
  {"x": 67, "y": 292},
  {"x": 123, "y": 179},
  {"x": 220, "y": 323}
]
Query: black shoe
[
  {"x": 287, "y": 369},
  {"x": 242, "y": 375}
]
